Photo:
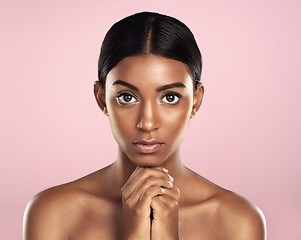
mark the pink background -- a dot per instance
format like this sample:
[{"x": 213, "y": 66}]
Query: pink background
[{"x": 246, "y": 137}]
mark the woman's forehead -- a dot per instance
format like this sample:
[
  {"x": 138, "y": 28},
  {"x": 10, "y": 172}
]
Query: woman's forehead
[{"x": 149, "y": 68}]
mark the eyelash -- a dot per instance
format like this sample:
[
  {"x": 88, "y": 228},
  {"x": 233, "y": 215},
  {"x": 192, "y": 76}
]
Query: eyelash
[
  {"x": 121, "y": 100},
  {"x": 122, "y": 95},
  {"x": 179, "y": 96}
]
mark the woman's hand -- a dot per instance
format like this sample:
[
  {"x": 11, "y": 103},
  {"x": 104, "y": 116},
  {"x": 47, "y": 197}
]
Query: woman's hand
[
  {"x": 165, "y": 212},
  {"x": 137, "y": 197}
]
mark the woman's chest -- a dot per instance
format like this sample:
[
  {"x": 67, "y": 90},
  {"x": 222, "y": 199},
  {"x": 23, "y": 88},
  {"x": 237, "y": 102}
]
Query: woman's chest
[
  {"x": 98, "y": 220},
  {"x": 106, "y": 223},
  {"x": 198, "y": 225}
]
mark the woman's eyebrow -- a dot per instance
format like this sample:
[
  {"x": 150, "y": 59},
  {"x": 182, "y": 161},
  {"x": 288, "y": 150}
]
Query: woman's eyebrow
[
  {"x": 172, "y": 85},
  {"x": 126, "y": 84},
  {"x": 159, "y": 89}
]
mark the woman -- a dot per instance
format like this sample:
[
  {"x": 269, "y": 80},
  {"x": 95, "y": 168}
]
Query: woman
[{"x": 149, "y": 87}]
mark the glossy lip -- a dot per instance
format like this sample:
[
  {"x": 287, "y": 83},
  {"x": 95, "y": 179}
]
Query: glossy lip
[{"x": 147, "y": 146}]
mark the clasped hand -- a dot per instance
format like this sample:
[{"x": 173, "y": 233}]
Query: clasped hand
[{"x": 150, "y": 205}]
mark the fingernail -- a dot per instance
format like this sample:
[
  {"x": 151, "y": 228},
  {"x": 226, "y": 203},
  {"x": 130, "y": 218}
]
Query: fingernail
[
  {"x": 164, "y": 170},
  {"x": 170, "y": 183},
  {"x": 170, "y": 177},
  {"x": 162, "y": 190}
]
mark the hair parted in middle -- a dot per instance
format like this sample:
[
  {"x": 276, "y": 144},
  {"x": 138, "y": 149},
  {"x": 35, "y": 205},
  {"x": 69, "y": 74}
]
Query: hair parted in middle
[{"x": 149, "y": 33}]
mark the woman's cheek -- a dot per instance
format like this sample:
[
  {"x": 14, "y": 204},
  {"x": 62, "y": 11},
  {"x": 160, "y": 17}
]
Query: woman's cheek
[
  {"x": 122, "y": 123},
  {"x": 176, "y": 122},
  {"x": 178, "y": 115}
]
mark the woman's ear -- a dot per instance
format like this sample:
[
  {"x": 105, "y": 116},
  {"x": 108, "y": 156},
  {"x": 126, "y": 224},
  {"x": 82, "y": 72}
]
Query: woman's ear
[
  {"x": 100, "y": 97},
  {"x": 197, "y": 99}
]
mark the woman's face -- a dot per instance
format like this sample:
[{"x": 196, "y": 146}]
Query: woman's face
[{"x": 149, "y": 100}]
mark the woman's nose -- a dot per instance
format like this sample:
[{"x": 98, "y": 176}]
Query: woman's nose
[{"x": 148, "y": 117}]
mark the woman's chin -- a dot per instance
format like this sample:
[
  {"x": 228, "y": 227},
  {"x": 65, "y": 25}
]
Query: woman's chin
[{"x": 148, "y": 160}]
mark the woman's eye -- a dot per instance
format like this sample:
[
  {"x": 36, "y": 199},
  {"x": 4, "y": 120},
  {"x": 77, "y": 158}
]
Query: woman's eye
[
  {"x": 171, "y": 98},
  {"x": 125, "y": 98}
]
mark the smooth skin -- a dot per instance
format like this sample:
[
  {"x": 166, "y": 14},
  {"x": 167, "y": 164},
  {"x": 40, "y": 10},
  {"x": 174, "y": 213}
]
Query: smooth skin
[{"x": 145, "y": 194}]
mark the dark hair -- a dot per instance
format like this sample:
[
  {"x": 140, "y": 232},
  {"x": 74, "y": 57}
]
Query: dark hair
[{"x": 149, "y": 33}]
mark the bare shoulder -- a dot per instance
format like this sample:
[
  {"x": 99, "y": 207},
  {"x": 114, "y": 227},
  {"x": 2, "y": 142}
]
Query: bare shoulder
[
  {"x": 239, "y": 218},
  {"x": 234, "y": 216},
  {"x": 55, "y": 212},
  {"x": 45, "y": 213}
]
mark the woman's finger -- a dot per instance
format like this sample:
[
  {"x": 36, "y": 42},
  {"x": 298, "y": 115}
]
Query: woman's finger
[
  {"x": 132, "y": 177},
  {"x": 148, "y": 183},
  {"x": 173, "y": 193},
  {"x": 146, "y": 177},
  {"x": 146, "y": 197},
  {"x": 163, "y": 204}
]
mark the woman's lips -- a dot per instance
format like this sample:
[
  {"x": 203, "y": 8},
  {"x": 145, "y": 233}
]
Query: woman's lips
[{"x": 147, "y": 146}]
